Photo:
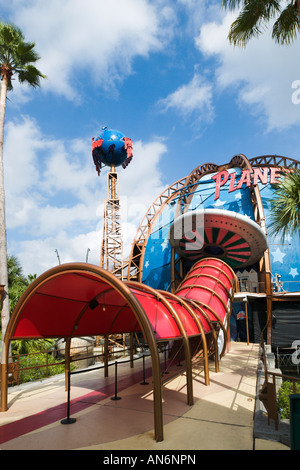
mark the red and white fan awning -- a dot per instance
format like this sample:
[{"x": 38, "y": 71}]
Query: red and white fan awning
[{"x": 232, "y": 237}]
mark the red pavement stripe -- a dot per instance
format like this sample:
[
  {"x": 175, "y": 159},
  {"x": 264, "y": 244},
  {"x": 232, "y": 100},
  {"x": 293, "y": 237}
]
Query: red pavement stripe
[
  {"x": 31, "y": 423},
  {"x": 22, "y": 426}
]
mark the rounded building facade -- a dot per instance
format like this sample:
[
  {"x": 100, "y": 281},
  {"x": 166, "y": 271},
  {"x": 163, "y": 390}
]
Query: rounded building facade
[{"x": 224, "y": 211}]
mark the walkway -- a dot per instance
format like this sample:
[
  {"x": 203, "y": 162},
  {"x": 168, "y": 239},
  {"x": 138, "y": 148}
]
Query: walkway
[{"x": 220, "y": 419}]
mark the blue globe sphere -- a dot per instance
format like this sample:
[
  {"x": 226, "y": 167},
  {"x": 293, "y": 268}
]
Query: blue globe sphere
[{"x": 111, "y": 148}]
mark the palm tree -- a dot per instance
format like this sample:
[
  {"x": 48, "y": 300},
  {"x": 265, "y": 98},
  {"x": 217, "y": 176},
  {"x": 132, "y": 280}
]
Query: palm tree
[
  {"x": 17, "y": 58},
  {"x": 17, "y": 281},
  {"x": 254, "y": 15},
  {"x": 285, "y": 206}
]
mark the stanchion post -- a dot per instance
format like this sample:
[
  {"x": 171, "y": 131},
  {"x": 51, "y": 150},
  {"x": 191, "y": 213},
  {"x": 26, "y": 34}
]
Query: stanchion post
[
  {"x": 106, "y": 356},
  {"x": 165, "y": 358},
  {"x": 144, "y": 382},
  {"x": 131, "y": 350},
  {"x": 68, "y": 420},
  {"x": 116, "y": 382}
]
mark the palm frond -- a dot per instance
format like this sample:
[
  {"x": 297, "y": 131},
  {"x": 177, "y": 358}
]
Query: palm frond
[
  {"x": 10, "y": 33},
  {"x": 287, "y": 26},
  {"x": 231, "y": 4},
  {"x": 252, "y": 19},
  {"x": 15, "y": 271},
  {"x": 30, "y": 75},
  {"x": 285, "y": 206},
  {"x": 18, "y": 56},
  {"x": 26, "y": 53}
]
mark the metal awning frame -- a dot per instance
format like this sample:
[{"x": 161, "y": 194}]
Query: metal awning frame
[{"x": 122, "y": 289}]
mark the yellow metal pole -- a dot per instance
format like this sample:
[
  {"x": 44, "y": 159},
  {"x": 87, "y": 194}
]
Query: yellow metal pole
[{"x": 4, "y": 377}]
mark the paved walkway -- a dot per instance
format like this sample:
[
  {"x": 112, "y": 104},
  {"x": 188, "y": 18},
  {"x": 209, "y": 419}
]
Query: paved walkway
[{"x": 222, "y": 417}]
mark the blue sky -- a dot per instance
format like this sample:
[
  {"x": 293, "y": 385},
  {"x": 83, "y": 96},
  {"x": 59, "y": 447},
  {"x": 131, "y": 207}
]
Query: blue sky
[{"x": 160, "y": 71}]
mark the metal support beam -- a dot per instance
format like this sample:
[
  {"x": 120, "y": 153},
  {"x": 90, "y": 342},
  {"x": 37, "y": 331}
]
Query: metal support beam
[{"x": 112, "y": 245}]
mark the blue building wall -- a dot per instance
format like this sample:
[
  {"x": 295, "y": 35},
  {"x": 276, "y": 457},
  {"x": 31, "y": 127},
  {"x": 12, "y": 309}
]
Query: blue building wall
[
  {"x": 157, "y": 258},
  {"x": 284, "y": 256}
]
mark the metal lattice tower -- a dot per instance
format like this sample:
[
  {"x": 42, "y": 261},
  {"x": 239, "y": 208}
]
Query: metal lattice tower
[
  {"x": 112, "y": 246},
  {"x": 111, "y": 148}
]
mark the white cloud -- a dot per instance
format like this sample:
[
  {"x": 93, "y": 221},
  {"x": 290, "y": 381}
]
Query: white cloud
[
  {"x": 200, "y": 11},
  {"x": 140, "y": 184},
  {"x": 262, "y": 72},
  {"x": 54, "y": 196},
  {"x": 193, "y": 98},
  {"x": 92, "y": 39},
  {"x": 38, "y": 255},
  {"x": 39, "y": 170},
  {"x": 22, "y": 142}
]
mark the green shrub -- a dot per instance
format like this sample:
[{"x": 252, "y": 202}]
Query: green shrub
[
  {"x": 283, "y": 399},
  {"x": 27, "y": 346},
  {"x": 40, "y": 372}
]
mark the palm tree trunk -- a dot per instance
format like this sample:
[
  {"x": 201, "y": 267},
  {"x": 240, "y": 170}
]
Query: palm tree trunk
[{"x": 3, "y": 242}]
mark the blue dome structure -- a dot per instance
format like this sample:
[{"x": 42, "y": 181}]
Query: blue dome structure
[
  {"x": 111, "y": 148},
  {"x": 225, "y": 212}
]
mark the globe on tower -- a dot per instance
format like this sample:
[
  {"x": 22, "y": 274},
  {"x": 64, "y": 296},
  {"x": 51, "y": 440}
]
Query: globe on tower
[{"x": 111, "y": 148}]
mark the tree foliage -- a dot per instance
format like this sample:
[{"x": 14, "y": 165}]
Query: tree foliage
[
  {"x": 17, "y": 284},
  {"x": 256, "y": 15},
  {"x": 283, "y": 400},
  {"x": 17, "y": 57},
  {"x": 285, "y": 206},
  {"x": 17, "y": 281}
]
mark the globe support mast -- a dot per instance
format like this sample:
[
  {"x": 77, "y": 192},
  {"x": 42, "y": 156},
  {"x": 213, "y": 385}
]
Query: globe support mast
[
  {"x": 112, "y": 245},
  {"x": 112, "y": 149}
]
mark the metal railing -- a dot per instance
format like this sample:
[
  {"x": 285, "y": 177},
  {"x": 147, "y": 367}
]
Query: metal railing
[
  {"x": 251, "y": 286},
  {"x": 280, "y": 286},
  {"x": 82, "y": 356},
  {"x": 268, "y": 392},
  {"x": 16, "y": 369},
  {"x": 285, "y": 360},
  {"x": 256, "y": 287},
  {"x": 290, "y": 286}
]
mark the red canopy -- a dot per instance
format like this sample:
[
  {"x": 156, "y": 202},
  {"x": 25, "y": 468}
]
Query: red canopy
[{"x": 79, "y": 299}]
